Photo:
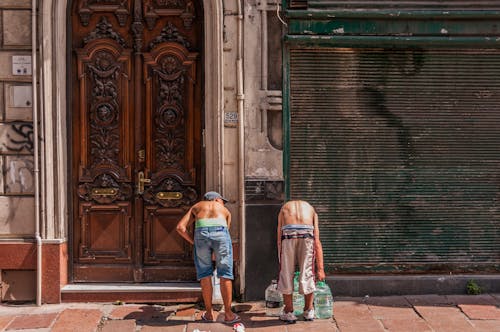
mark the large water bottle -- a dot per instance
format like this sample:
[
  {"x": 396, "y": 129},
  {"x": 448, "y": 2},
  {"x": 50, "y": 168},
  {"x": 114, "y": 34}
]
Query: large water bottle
[
  {"x": 274, "y": 300},
  {"x": 323, "y": 301},
  {"x": 298, "y": 299}
]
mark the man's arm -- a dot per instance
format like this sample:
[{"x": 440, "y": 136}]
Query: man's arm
[
  {"x": 228, "y": 218},
  {"x": 318, "y": 249},
  {"x": 182, "y": 225},
  {"x": 278, "y": 237}
]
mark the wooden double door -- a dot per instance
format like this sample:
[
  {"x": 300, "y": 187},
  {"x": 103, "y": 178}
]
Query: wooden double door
[{"x": 136, "y": 117}]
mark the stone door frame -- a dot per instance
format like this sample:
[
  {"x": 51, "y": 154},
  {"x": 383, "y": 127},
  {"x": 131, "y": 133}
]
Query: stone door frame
[{"x": 52, "y": 27}]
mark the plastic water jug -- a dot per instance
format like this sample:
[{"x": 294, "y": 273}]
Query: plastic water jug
[
  {"x": 298, "y": 299},
  {"x": 323, "y": 301},
  {"x": 274, "y": 300}
]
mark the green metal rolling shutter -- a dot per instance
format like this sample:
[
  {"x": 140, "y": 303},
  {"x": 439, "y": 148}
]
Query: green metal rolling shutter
[
  {"x": 399, "y": 151},
  {"x": 404, "y": 4}
]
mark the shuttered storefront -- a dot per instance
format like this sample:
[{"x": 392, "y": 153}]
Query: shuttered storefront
[{"x": 399, "y": 151}]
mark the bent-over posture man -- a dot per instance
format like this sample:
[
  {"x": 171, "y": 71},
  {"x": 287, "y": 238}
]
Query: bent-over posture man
[
  {"x": 211, "y": 235},
  {"x": 298, "y": 244}
]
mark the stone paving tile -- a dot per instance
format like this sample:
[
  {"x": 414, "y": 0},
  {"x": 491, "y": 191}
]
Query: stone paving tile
[
  {"x": 399, "y": 319},
  {"x": 141, "y": 313},
  {"x": 212, "y": 327},
  {"x": 431, "y": 299},
  {"x": 77, "y": 320},
  {"x": 486, "y": 325},
  {"x": 477, "y": 311},
  {"x": 323, "y": 325},
  {"x": 164, "y": 328},
  {"x": 126, "y": 312},
  {"x": 382, "y": 312},
  {"x": 355, "y": 316},
  {"x": 48, "y": 329},
  {"x": 5, "y": 320},
  {"x": 388, "y": 301},
  {"x": 187, "y": 314},
  {"x": 406, "y": 325},
  {"x": 445, "y": 319},
  {"x": 32, "y": 322},
  {"x": 260, "y": 322},
  {"x": 127, "y": 325}
]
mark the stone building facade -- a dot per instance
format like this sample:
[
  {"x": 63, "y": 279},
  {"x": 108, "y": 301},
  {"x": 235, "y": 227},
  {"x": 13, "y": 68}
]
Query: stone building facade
[
  {"x": 116, "y": 116},
  {"x": 241, "y": 134}
]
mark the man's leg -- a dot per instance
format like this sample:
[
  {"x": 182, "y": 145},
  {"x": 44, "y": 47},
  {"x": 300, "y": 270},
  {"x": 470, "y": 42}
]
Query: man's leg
[
  {"x": 305, "y": 249},
  {"x": 288, "y": 301},
  {"x": 206, "y": 291},
  {"x": 226, "y": 289},
  {"x": 308, "y": 301}
]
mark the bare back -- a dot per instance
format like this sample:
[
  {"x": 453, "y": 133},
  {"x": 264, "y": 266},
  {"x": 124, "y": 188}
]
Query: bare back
[
  {"x": 297, "y": 213},
  {"x": 209, "y": 209},
  {"x": 203, "y": 210}
]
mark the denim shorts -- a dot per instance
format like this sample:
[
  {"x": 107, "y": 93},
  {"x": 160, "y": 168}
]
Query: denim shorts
[{"x": 214, "y": 239}]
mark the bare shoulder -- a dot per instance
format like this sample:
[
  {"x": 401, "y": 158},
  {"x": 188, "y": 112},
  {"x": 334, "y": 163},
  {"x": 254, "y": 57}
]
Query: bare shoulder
[
  {"x": 305, "y": 205},
  {"x": 198, "y": 206},
  {"x": 297, "y": 203},
  {"x": 286, "y": 205}
]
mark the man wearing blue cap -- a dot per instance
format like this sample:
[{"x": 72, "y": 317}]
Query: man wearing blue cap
[{"x": 211, "y": 236}]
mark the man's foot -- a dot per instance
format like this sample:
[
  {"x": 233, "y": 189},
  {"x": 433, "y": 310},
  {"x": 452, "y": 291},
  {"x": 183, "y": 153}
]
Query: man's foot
[
  {"x": 207, "y": 317},
  {"x": 231, "y": 320},
  {"x": 288, "y": 317},
  {"x": 309, "y": 314}
]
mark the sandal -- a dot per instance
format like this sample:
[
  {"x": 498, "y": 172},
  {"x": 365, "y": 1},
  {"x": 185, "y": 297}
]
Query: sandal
[
  {"x": 205, "y": 319},
  {"x": 236, "y": 319}
]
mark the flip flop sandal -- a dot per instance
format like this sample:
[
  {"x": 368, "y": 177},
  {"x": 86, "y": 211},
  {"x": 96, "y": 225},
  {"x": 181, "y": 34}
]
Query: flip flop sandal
[
  {"x": 205, "y": 319},
  {"x": 236, "y": 319}
]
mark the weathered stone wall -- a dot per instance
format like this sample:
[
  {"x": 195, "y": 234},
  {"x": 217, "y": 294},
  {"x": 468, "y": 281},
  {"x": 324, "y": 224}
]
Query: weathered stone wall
[
  {"x": 17, "y": 186},
  {"x": 17, "y": 216},
  {"x": 263, "y": 160},
  {"x": 263, "y": 125}
]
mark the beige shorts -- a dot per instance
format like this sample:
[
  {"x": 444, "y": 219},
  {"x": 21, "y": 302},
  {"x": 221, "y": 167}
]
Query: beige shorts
[{"x": 297, "y": 251}]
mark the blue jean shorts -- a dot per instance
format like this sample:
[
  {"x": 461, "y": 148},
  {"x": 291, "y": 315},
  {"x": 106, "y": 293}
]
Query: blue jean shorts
[{"x": 214, "y": 239}]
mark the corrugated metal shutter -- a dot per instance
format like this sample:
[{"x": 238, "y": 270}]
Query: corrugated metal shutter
[
  {"x": 298, "y": 4},
  {"x": 399, "y": 151},
  {"x": 405, "y": 4}
]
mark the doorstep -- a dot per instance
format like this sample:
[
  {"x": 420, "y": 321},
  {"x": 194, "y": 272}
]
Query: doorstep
[{"x": 169, "y": 292}]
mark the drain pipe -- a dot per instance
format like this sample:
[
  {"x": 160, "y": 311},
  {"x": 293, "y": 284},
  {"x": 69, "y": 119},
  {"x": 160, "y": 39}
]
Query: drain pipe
[
  {"x": 240, "y": 97},
  {"x": 36, "y": 152}
]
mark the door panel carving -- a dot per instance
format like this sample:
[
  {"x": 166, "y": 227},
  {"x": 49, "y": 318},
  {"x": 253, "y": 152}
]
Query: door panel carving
[
  {"x": 105, "y": 233},
  {"x": 136, "y": 119}
]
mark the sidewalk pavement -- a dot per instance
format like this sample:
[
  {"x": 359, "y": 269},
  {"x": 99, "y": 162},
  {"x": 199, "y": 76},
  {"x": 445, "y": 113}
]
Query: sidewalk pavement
[{"x": 417, "y": 313}]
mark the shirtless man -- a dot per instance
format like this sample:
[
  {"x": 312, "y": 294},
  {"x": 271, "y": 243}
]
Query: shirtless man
[
  {"x": 211, "y": 236},
  {"x": 298, "y": 243}
]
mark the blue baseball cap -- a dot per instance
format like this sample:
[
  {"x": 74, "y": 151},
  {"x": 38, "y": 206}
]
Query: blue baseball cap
[{"x": 212, "y": 195}]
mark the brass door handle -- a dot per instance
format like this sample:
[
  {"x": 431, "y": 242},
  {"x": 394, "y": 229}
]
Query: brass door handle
[{"x": 141, "y": 181}]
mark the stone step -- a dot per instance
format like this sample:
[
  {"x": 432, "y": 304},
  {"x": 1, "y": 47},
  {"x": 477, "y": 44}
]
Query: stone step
[{"x": 138, "y": 293}]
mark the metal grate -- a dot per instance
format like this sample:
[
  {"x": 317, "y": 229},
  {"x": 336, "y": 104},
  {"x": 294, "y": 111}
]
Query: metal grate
[
  {"x": 298, "y": 4},
  {"x": 399, "y": 151},
  {"x": 402, "y": 4}
]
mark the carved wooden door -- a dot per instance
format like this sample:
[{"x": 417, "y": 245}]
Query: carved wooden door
[{"x": 136, "y": 119}]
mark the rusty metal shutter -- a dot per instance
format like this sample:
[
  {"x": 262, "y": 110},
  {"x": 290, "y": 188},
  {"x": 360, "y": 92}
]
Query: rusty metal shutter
[
  {"x": 399, "y": 151},
  {"x": 298, "y": 4},
  {"x": 403, "y": 4}
]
